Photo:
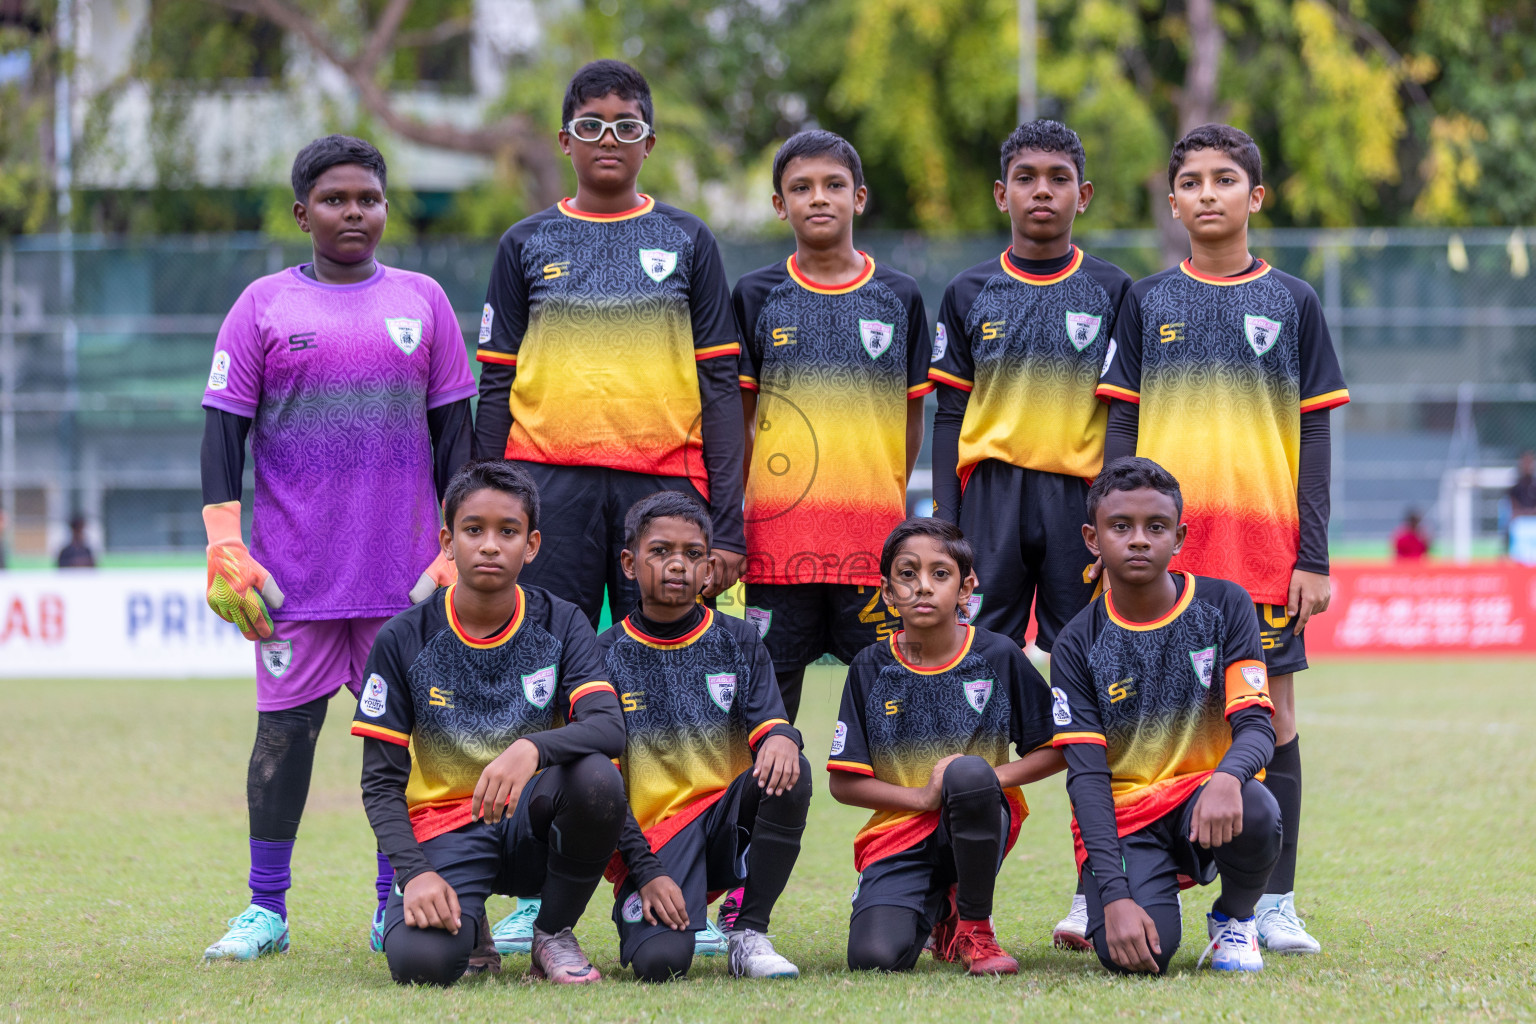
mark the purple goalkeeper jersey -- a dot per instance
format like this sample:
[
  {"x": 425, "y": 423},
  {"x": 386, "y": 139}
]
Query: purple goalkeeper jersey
[{"x": 338, "y": 380}]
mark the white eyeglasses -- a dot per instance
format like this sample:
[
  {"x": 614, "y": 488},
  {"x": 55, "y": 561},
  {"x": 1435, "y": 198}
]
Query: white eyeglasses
[{"x": 591, "y": 129}]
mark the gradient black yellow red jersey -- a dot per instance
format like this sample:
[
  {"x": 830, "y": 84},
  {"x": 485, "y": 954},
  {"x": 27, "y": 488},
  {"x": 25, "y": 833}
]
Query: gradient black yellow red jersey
[
  {"x": 695, "y": 709},
  {"x": 603, "y": 318},
  {"x": 1157, "y": 695},
  {"x": 1027, "y": 348},
  {"x": 833, "y": 368},
  {"x": 458, "y": 702},
  {"x": 898, "y": 720},
  {"x": 1222, "y": 369}
]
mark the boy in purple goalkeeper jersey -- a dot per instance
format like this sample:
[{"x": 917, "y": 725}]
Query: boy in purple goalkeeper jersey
[{"x": 353, "y": 382}]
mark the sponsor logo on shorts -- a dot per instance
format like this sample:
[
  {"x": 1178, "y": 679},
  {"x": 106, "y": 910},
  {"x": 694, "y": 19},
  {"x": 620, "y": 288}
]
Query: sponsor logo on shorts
[
  {"x": 1061, "y": 711},
  {"x": 940, "y": 343},
  {"x": 375, "y": 694},
  {"x": 1204, "y": 663},
  {"x": 839, "y": 738},
  {"x": 539, "y": 686},
  {"x": 276, "y": 656},
  {"x": 722, "y": 689},
  {"x": 634, "y": 909},
  {"x": 762, "y": 618},
  {"x": 218, "y": 377},
  {"x": 404, "y": 332},
  {"x": 1082, "y": 329},
  {"x": 487, "y": 317},
  {"x": 658, "y": 263},
  {"x": 977, "y": 693},
  {"x": 1256, "y": 676}
]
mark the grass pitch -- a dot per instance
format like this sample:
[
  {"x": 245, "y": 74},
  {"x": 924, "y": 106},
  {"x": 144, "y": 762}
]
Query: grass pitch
[{"x": 122, "y": 852}]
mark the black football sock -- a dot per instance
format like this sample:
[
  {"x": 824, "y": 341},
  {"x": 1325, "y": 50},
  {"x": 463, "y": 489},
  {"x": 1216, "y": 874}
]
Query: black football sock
[
  {"x": 277, "y": 778},
  {"x": 790, "y": 685},
  {"x": 1283, "y": 777},
  {"x": 773, "y": 849},
  {"x": 1247, "y": 862},
  {"x": 972, "y": 805}
]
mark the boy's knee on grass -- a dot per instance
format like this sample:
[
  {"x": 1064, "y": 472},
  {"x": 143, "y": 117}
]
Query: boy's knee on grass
[
  {"x": 429, "y": 956},
  {"x": 664, "y": 957}
]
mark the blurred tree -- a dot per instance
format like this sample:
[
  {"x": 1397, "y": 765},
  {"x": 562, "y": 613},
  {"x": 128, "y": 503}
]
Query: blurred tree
[{"x": 28, "y": 64}]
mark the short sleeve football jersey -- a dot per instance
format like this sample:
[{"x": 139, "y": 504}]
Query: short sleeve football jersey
[
  {"x": 460, "y": 701},
  {"x": 1028, "y": 348},
  {"x": 1156, "y": 695},
  {"x": 604, "y": 317},
  {"x": 897, "y": 720},
  {"x": 695, "y": 709},
  {"x": 833, "y": 368},
  {"x": 1222, "y": 369},
  {"x": 337, "y": 380}
]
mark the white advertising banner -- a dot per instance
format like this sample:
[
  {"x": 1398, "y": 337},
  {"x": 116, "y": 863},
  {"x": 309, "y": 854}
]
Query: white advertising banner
[{"x": 115, "y": 623}]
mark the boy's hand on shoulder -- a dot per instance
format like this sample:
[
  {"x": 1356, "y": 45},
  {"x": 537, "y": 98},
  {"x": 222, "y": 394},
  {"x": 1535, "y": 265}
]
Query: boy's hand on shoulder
[
  {"x": 933, "y": 793},
  {"x": 430, "y": 902},
  {"x": 724, "y": 570},
  {"x": 663, "y": 903},
  {"x": 501, "y": 784},
  {"x": 778, "y": 765},
  {"x": 1309, "y": 594},
  {"x": 1131, "y": 935},
  {"x": 1218, "y": 814}
]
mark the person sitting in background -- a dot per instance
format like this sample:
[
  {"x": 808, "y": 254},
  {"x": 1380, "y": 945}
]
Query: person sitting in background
[
  {"x": 1522, "y": 496},
  {"x": 1410, "y": 542},
  {"x": 77, "y": 553}
]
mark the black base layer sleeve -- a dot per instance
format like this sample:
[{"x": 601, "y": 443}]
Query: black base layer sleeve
[
  {"x": 1283, "y": 778},
  {"x": 1253, "y": 743},
  {"x": 597, "y": 729},
  {"x": 947, "y": 420},
  {"x": 1088, "y": 787},
  {"x": 277, "y": 779},
  {"x": 386, "y": 770},
  {"x": 579, "y": 817},
  {"x": 1120, "y": 430},
  {"x": 223, "y": 456},
  {"x": 723, "y": 430},
  {"x": 493, "y": 413},
  {"x": 451, "y": 430},
  {"x": 885, "y": 938},
  {"x": 970, "y": 803},
  {"x": 1314, "y": 478}
]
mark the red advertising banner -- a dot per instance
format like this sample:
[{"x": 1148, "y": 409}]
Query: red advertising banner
[{"x": 1427, "y": 608}]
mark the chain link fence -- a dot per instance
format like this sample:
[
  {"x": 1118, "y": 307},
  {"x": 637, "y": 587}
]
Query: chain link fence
[{"x": 105, "y": 346}]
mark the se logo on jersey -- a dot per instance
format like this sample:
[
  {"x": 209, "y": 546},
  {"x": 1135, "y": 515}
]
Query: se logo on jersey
[
  {"x": 1262, "y": 333},
  {"x": 877, "y": 336},
  {"x": 658, "y": 263},
  {"x": 404, "y": 332},
  {"x": 1082, "y": 329}
]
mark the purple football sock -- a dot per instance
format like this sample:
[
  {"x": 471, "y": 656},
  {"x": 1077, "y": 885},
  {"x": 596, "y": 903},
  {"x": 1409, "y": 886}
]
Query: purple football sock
[
  {"x": 384, "y": 879},
  {"x": 270, "y": 875}
]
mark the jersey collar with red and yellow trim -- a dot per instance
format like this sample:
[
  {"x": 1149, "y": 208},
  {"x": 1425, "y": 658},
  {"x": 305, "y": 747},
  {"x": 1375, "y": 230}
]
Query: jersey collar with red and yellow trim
[
  {"x": 965, "y": 648},
  {"x": 647, "y": 204},
  {"x": 1042, "y": 279},
  {"x": 857, "y": 282},
  {"x": 1172, "y": 613},
  {"x": 1257, "y": 272},
  {"x": 675, "y": 643},
  {"x": 501, "y": 637}
]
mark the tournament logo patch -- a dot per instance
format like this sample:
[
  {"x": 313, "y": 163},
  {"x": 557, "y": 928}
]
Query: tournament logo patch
[
  {"x": 977, "y": 693},
  {"x": 539, "y": 686},
  {"x": 940, "y": 343},
  {"x": 1061, "y": 711},
  {"x": 487, "y": 317},
  {"x": 276, "y": 656},
  {"x": 857, "y": 885},
  {"x": 839, "y": 738},
  {"x": 762, "y": 618},
  {"x": 1204, "y": 664},
  {"x": 218, "y": 377},
  {"x": 658, "y": 263},
  {"x": 877, "y": 336},
  {"x": 634, "y": 908},
  {"x": 722, "y": 689},
  {"x": 1082, "y": 329},
  {"x": 1109, "y": 357},
  {"x": 1256, "y": 676},
  {"x": 1262, "y": 333},
  {"x": 404, "y": 332},
  {"x": 375, "y": 696},
  {"x": 970, "y": 609}
]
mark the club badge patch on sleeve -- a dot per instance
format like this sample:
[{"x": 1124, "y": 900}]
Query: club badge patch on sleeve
[
  {"x": 1256, "y": 676},
  {"x": 1061, "y": 711},
  {"x": 375, "y": 696},
  {"x": 634, "y": 908}
]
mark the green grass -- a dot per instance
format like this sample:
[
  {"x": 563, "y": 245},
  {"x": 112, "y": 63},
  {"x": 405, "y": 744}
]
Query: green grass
[{"x": 122, "y": 853}]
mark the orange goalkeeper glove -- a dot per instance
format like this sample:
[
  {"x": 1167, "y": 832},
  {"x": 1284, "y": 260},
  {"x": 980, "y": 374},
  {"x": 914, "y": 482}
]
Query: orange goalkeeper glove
[
  {"x": 440, "y": 573},
  {"x": 237, "y": 583}
]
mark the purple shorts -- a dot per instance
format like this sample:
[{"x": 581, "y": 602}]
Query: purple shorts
[{"x": 304, "y": 661}]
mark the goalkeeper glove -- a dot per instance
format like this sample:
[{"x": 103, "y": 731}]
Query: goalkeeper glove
[
  {"x": 236, "y": 581},
  {"x": 440, "y": 573}
]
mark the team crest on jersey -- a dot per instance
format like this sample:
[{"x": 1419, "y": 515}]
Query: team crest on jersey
[
  {"x": 722, "y": 689},
  {"x": 404, "y": 332},
  {"x": 1061, "y": 711},
  {"x": 539, "y": 686},
  {"x": 276, "y": 656},
  {"x": 487, "y": 317},
  {"x": 1082, "y": 329},
  {"x": 877, "y": 336},
  {"x": 658, "y": 263},
  {"x": 839, "y": 738},
  {"x": 1256, "y": 676},
  {"x": 375, "y": 695},
  {"x": 762, "y": 618},
  {"x": 970, "y": 609},
  {"x": 1262, "y": 333},
  {"x": 977, "y": 693},
  {"x": 633, "y": 908},
  {"x": 940, "y": 343},
  {"x": 1204, "y": 664}
]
